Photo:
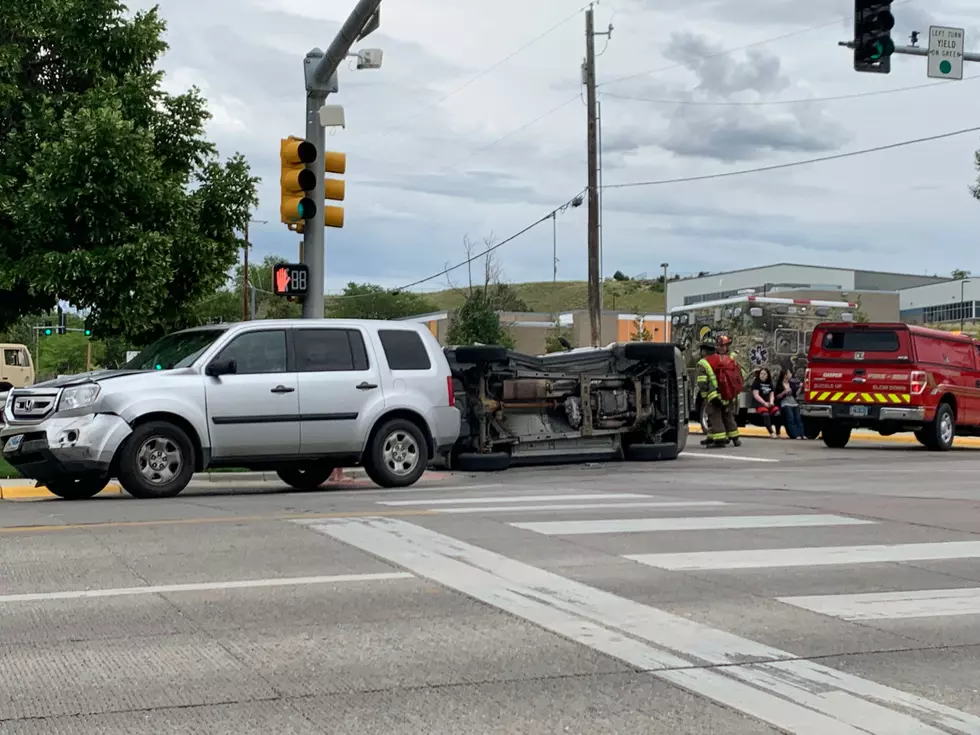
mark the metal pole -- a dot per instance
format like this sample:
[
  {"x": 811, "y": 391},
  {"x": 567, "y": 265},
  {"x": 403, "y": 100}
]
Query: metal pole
[
  {"x": 962, "y": 312},
  {"x": 251, "y": 306},
  {"x": 595, "y": 317},
  {"x": 245, "y": 279},
  {"x": 313, "y": 233},
  {"x": 602, "y": 287},
  {"x": 665, "y": 266},
  {"x": 554, "y": 247},
  {"x": 359, "y": 23},
  {"x": 915, "y": 51}
]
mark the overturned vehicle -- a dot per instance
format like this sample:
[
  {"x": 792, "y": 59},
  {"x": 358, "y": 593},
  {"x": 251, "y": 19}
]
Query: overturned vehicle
[{"x": 625, "y": 401}]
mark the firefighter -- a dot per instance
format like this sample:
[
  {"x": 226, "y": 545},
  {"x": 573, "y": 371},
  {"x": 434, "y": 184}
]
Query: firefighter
[{"x": 722, "y": 426}]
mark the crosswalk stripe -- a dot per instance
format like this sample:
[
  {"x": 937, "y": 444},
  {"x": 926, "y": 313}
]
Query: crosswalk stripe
[
  {"x": 703, "y": 523},
  {"x": 652, "y": 505},
  {"x": 810, "y": 556},
  {"x": 518, "y": 499},
  {"x": 892, "y": 605},
  {"x": 795, "y": 695}
]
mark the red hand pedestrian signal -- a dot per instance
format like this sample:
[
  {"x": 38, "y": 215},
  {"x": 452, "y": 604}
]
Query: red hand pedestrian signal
[{"x": 282, "y": 281}]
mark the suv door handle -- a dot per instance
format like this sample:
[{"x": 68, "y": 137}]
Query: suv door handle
[
  {"x": 282, "y": 389},
  {"x": 364, "y": 385}
]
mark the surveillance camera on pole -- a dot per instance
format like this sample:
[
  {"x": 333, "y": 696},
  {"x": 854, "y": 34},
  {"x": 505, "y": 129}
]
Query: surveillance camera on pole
[{"x": 369, "y": 58}]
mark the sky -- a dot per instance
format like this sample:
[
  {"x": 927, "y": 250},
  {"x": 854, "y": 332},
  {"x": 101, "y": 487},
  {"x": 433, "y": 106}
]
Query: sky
[{"x": 475, "y": 128}]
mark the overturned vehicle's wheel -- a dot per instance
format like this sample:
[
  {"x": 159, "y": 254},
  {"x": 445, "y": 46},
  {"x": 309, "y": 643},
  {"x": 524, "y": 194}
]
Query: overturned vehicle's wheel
[{"x": 489, "y": 462}]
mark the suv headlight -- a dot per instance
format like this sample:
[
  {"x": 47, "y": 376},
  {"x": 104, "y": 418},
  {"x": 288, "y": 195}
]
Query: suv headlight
[{"x": 78, "y": 397}]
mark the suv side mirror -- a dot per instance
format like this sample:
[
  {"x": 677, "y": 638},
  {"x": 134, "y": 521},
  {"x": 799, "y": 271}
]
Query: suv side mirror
[{"x": 217, "y": 368}]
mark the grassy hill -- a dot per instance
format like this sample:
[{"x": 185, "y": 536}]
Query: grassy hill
[{"x": 547, "y": 296}]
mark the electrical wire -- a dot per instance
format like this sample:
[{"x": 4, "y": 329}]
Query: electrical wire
[
  {"x": 744, "y": 47},
  {"x": 446, "y": 271},
  {"x": 792, "y": 164},
  {"x": 802, "y": 100}
]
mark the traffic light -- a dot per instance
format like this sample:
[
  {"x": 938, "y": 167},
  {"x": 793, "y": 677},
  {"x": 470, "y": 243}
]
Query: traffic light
[
  {"x": 86, "y": 329},
  {"x": 873, "y": 45},
  {"x": 61, "y": 321},
  {"x": 297, "y": 182},
  {"x": 334, "y": 189},
  {"x": 48, "y": 331}
]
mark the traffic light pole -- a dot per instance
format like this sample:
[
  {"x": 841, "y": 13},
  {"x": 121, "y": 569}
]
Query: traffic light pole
[
  {"x": 914, "y": 51},
  {"x": 320, "y": 71}
]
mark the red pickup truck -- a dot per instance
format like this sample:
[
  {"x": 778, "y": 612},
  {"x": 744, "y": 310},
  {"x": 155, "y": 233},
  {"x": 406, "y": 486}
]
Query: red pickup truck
[{"x": 892, "y": 378}]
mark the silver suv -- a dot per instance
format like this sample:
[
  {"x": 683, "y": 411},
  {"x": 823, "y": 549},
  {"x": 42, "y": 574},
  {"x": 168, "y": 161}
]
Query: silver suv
[{"x": 301, "y": 397}]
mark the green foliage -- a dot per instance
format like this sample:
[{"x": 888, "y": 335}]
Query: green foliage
[
  {"x": 368, "y": 301},
  {"x": 552, "y": 342},
  {"x": 110, "y": 196},
  {"x": 65, "y": 354},
  {"x": 620, "y": 276},
  {"x": 477, "y": 321},
  {"x": 958, "y": 274},
  {"x": 267, "y": 304},
  {"x": 504, "y": 297}
]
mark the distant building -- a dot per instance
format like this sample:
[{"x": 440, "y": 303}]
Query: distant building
[
  {"x": 938, "y": 303},
  {"x": 878, "y": 292}
]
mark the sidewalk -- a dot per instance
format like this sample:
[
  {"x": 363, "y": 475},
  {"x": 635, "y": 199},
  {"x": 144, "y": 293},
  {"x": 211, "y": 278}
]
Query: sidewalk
[{"x": 864, "y": 435}]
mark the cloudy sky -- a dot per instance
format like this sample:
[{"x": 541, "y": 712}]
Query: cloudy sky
[{"x": 474, "y": 128}]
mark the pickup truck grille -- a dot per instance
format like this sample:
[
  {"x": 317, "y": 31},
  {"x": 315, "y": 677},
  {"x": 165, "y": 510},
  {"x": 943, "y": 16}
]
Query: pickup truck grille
[{"x": 32, "y": 406}]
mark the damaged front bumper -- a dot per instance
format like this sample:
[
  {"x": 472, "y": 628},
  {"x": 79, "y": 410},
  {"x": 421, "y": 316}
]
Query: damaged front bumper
[{"x": 64, "y": 447}]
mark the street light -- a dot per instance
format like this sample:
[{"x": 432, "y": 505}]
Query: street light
[{"x": 664, "y": 266}]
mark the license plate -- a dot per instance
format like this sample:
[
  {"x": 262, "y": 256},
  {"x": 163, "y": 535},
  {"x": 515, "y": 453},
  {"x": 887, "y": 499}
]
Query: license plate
[
  {"x": 13, "y": 443},
  {"x": 859, "y": 410}
]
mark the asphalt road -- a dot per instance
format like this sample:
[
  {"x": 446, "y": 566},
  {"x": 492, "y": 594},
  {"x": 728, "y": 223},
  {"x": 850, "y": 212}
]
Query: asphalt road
[{"x": 780, "y": 587}]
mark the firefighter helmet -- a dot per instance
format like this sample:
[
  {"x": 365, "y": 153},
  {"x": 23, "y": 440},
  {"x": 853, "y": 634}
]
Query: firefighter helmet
[
  {"x": 723, "y": 340},
  {"x": 708, "y": 345}
]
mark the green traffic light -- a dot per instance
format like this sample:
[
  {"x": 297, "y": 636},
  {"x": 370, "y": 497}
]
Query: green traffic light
[
  {"x": 88, "y": 332},
  {"x": 47, "y": 332}
]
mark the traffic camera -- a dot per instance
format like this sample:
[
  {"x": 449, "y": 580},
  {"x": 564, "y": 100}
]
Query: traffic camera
[
  {"x": 873, "y": 45},
  {"x": 296, "y": 182}
]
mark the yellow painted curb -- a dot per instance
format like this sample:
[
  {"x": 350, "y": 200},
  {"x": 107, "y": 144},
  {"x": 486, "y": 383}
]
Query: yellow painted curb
[
  {"x": 29, "y": 492},
  {"x": 758, "y": 431}
]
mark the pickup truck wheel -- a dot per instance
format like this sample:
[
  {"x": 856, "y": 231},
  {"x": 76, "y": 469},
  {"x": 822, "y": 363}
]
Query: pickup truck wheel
[
  {"x": 78, "y": 488},
  {"x": 836, "y": 437},
  {"x": 925, "y": 438},
  {"x": 306, "y": 478},
  {"x": 397, "y": 455},
  {"x": 156, "y": 461},
  {"x": 489, "y": 462},
  {"x": 942, "y": 430}
]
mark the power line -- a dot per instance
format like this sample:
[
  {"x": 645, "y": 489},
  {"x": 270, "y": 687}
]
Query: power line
[
  {"x": 754, "y": 44},
  {"x": 446, "y": 271},
  {"x": 767, "y": 103},
  {"x": 792, "y": 164}
]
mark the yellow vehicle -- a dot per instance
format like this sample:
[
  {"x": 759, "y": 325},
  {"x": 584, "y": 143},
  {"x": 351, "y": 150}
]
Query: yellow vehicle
[{"x": 16, "y": 367}]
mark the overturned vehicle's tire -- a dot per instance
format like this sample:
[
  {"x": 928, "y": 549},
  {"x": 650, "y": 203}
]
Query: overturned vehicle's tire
[
  {"x": 489, "y": 462},
  {"x": 651, "y": 452},
  {"x": 476, "y": 354}
]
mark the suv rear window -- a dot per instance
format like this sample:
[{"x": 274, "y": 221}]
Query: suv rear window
[
  {"x": 861, "y": 340},
  {"x": 404, "y": 349}
]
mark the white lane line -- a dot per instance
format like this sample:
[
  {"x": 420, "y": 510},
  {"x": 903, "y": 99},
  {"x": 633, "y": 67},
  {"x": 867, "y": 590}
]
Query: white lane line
[
  {"x": 732, "y": 457},
  {"x": 892, "y": 605},
  {"x": 516, "y": 499},
  {"x": 711, "y": 523},
  {"x": 794, "y": 695},
  {"x": 810, "y": 557},
  {"x": 203, "y": 587},
  {"x": 664, "y": 505}
]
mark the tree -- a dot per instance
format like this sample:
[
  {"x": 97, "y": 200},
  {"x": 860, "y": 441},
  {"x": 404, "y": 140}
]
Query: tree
[
  {"x": 66, "y": 354},
  {"x": 477, "y": 321},
  {"x": 620, "y": 276},
  {"x": 640, "y": 331},
  {"x": 959, "y": 274},
  {"x": 110, "y": 197},
  {"x": 368, "y": 301}
]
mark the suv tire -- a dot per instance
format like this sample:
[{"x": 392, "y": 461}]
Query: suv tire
[
  {"x": 77, "y": 488},
  {"x": 397, "y": 454},
  {"x": 156, "y": 461},
  {"x": 942, "y": 431},
  {"x": 306, "y": 478}
]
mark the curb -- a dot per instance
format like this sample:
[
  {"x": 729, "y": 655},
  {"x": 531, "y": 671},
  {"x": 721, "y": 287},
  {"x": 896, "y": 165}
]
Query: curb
[{"x": 864, "y": 436}]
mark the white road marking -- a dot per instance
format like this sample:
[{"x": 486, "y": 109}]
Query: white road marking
[
  {"x": 711, "y": 523},
  {"x": 797, "y": 696},
  {"x": 203, "y": 587},
  {"x": 892, "y": 605},
  {"x": 664, "y": 505},
  {"x": 810, "y": 557},
  {"x": 733, "y": 457},
  {"x": 516, "y": 499}
]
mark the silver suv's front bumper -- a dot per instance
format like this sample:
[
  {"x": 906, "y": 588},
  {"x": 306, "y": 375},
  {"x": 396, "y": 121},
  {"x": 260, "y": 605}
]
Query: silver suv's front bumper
[{"x": 60, "y": 447}]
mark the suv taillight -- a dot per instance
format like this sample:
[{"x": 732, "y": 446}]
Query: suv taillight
[
  {"x": 919, "y": 381},
  {"x": 451, "y": 391},
  {"x": 806, "y": 381}
]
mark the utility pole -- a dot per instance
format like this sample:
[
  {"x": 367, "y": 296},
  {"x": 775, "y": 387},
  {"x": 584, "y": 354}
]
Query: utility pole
[
  {"x": 595, "y": 317},
  {"x": 554, "y": 247},
  {"x": 245, "y": 279},
  {"x": 664, "y": 266},
  {"x": 320, "y": 71}
]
